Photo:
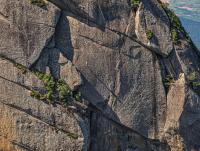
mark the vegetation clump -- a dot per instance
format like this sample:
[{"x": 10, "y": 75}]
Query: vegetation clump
[
  {"x": 55, "y": 90},
  {"x": 48, "y": 85},
  {"x": 195, "y": 84},
  {"x": 192, "y": 76},
  {"x": 174, "y": 35},
  {"x": 193, "y": 80},
  {"x": 39, "y": 3},
  {"x": 63, "y": 90},
  {"x": 135, "y": 3},
  {"x": 177, "y": 30},
  {"x": 73, "y": 135},
  {"x": 77, "y": 95},
  {"x": 149, "y": 34},
  {"x": 168, "y": 81}
]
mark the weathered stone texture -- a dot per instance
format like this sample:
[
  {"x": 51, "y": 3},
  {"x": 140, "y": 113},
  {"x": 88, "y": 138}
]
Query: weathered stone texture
[
  {"x": 28, "y": 29},
  {"x": 30, "y": 124},
  {"x": 100, "y": 48},
  {"x": 151, "y": 18}
]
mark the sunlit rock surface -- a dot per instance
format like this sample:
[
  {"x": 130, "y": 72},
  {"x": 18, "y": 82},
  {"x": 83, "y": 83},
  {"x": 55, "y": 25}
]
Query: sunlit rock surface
[{"x": 140, "y": 92}]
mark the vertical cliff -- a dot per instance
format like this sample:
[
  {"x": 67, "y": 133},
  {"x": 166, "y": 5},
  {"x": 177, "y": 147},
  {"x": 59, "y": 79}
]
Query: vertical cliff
[{"x": 96, "y": 75}]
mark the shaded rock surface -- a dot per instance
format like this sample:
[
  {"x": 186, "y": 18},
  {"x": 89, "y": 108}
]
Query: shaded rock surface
[
  {"x": 152, "y": 19},
  {"x": 138, "y": 94}
]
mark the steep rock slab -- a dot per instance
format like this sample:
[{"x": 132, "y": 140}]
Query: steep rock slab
[
  {"x": 83, "y": 9},
  {"x": 116, "y": 14},
  {"x": 183, "y": 61},
  {"x": 190, "y": 118},
  {"x": 56, "y": 58},
  {"x": 175, "y": 106},
  {"x": 120, "y": 76},
  {"x": 101, "y": 14},
  {"x": 70, "y": 74},
  {"x": 26, "y": 29},
  {"x": 107, "y": 135},
  {"x": 152, "y": 25},
  {"x": 190, "y": 121},
  {"x": 30, "y": 124}
]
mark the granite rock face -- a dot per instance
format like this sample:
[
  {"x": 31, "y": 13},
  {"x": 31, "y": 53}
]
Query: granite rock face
[
  {"x": 140, "y": 90},
  {"x": 152, "y": 19},
  {"x": 29, "y": 29}
]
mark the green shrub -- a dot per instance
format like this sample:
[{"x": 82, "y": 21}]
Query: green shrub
[
  {"x": 192, "y": 76},
  {"x": 39, "y": 3},
  {"x": 168, "y": 81},
  {"x": 174, "y": 36},
  {"x": 193, "y": 80},
  {"x": 78, "y": 96},
  {"x": 176, "y": 25},
  {"x": 63, "y": 90},
  {"x": 196, "y": 84},
  {"x": 49, "y": 85},
  {"x": 21, "y": 67},
  {"x": 149, "y": 34},
  {"x": 39, "y": 96},
  {"x": 135, "y": 3},
  {"x": 53, "y": 89},
  {"x": 73, "y": 135}
]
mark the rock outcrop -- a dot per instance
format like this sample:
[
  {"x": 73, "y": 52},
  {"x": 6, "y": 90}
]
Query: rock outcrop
[{"x": 139, "y": 87}]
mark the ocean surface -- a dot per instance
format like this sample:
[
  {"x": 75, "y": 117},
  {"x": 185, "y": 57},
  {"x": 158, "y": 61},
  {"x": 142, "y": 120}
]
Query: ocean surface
[{"x": 193, "y": 28}]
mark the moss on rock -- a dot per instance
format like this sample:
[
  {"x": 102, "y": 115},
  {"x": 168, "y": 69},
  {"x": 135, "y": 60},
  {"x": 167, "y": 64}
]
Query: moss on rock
[{"x": 39, "y": 3}]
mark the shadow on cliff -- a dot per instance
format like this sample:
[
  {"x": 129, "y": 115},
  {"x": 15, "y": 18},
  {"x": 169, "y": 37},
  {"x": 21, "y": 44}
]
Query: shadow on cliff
[
  {"x": 190, "y": 117},
  {"x": 100, "y": 112},
  {"x": 153, "y": 9},
  {"x": 190, "y": 122},
  {"x": 107, "y": 133},
  {"x": 106, "y": 130},
  {"x": 62, "y": 43},
  {"x": 186, "y": 128}
]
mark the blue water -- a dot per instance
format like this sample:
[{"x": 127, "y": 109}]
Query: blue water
[{"x": 193, "y": 28}]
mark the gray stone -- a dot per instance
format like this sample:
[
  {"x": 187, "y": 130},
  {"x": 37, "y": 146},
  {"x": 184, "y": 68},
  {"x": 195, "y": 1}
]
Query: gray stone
[
  {"x": 26, "y": 29},
  {"x": 137, "y": 93},
  {"x": 152, "y": 19}
]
